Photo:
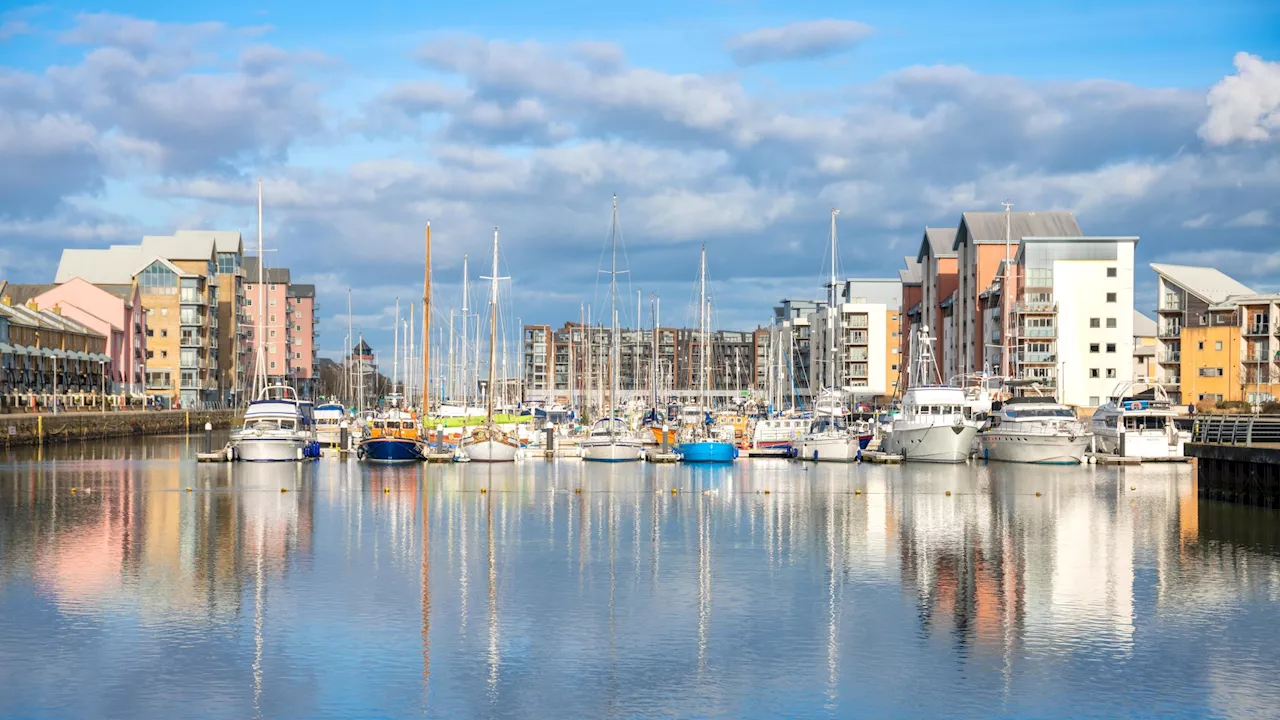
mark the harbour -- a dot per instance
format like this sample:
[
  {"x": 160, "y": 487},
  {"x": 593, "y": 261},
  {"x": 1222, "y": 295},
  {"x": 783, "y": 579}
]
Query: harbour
[{"x": 766, "y": 587}]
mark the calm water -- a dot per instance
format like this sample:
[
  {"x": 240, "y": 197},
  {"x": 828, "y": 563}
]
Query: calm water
[{"x": 397, "y": 592}]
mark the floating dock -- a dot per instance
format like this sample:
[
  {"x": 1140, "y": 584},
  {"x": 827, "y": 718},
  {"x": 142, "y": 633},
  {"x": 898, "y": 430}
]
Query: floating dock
[
  {"x": 659, "y": 457},
  {"x": 765, "y": 452},
  {"x": 881, "y": 458}
]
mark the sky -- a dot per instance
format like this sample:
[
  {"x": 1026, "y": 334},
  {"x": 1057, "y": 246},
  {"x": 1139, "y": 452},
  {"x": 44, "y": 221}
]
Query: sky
[{"x": 733, "y": 125}]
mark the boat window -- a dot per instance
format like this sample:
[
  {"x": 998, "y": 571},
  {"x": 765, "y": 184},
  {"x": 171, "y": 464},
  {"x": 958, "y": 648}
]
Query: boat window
[
  {"x": 287, "y": 424},
  {"x": 407, "y": 425}
]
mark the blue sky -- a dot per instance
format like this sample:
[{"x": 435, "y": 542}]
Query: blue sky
[{"x": 734, "y": 124}]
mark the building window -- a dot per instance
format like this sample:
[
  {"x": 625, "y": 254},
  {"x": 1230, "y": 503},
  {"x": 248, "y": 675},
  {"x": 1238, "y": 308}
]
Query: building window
[
  {"x": 273, "y": 333},
  {"x": 151, "y": 354},
  {"x": 1095, "y": 322},
  {"x": 1093, "y": 373},
  {"x": 151, "y": 332},
  {"x": 1210, "y": 372},
  {"x": 273, "y": 317},
  {"x": 228, "y": 263},
  {"x": 297, "y": 356},
  {"x": 1200, "y": 345},
  {"x": 1111, "y": 372},
  {"x": 1111, "y": 297},
  {"x": 1111, "y": 272},
  {"x": 1093, "y": 347},
  {"x": 272, "y": 288},
  {"x": 1111, "y": 347},
  {"x": 1093, "y": 401},
  {"x": 1111, "y": 323},
  {"x": 1217, "y": 345},
  {"x": 164, "y": 354},
  {"x": 158, "y": 280},
  {"x": 164, "y": 312},
  {"x": 273, "y": 364},
  {"x": 164, "y": 333},
  {"x": 273, "y": 302},
  {"x": 893, "y": 367}
]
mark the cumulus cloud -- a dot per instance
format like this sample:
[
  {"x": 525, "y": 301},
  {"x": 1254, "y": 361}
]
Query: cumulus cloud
[
  {"x": 12, "y": 28},
  {"x": 800, "y": 40},
  {"x": 1253, "y": 218},
  {"x": 1244, "y": 106}
]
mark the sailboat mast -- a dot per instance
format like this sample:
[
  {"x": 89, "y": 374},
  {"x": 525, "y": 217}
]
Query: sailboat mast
[
  {"x": 832, "y": 307},
  {"x": 395, "y": 351},
  {"x": 351, "y": 356},
  {"x": 426, "y": 328},
  {"x": 466, "y": 391},
  {"x": 409, "y": 356},
  {"x": 493, "y": 323},
  {"x": 653, "y": 362},
  {"x": 613, "y": 312},
  {"x": 260, "y": 333},
  {"x": 703, "y": 360},
  {"x": 1006, "y": 293}
]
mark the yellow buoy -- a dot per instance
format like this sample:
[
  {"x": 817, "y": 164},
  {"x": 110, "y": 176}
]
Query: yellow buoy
[
  {"x": 284, "y": 489},
  {"x": 484, "y": 490},
  {"x": 857, "y": 492},
  {"x": 73, "y": 491},
  {"x": 188, "y": 489},
  {"x": 1133, "y": 487},
  {"x": 1037, "y": 494},
  {"x": 577, "y": 491},
  {"x": 948, "y": 493},
  {"x": 766, "y": 491},
  {"x": 674, "y": 491},
  {"x": 386, "y": 490}
]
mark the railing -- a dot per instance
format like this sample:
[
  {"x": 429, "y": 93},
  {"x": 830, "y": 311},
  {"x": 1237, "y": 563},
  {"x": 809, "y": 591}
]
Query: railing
[
  {"x": 1258, "y": 329},
  {"x": 1171, "y": 357},
  {"x": 1037, "y": 357},
  {"x": 1246, "y": 430},
  {"x": 191, "y": 341},
  {"x": 191, "y": 298},
  {"x": 1170, "y": 332},
  {"x": 190, "y": 321},
  {"x": 1171, "y": 307},
  {"x": 1033, "y": 308},
  {"x": 1040, "y": 332}
]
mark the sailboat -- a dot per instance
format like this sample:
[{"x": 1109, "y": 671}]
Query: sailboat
[
  {"x": 278, "y": 426},
  {"x": 699, "y": 446},
  {"x": 488, "y": 443},
  {"x": 610, "y": 439},
  {"x": 829, "y": 437}
]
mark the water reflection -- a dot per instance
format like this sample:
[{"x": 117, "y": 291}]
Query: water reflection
[{"x": 564, "y": 589}]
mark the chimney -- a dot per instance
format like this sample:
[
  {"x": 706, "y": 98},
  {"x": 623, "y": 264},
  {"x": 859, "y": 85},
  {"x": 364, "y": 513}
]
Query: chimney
[
  {"x": 7, "y": 300},
  {"x": 33, "y": 305}
]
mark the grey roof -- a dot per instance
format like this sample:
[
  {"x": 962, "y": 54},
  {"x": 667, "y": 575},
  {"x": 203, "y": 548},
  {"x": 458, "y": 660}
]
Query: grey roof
[
  {"x": 114, "y": 266},
  {"x": 46, "y": 319},
  {"x": 1209, "y": 284},
  {"x": 302, "y": 291},
  {"x": 224, "y": 241},
  {"x": 989, "y": 227},
  {"x": 20, "y": 294},
  {"x": 911, "y": 275},
  {"x": 1143, "y": 326},
  {"x": 940, "y": 241},
  {"x": 279, "y": 276},
  {"x": 191, "y": 246},
  {"x": 124, "y": 292}
]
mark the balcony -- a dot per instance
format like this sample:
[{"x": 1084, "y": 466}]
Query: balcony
[
  {"x": 191, "y": 341},
  {"x": 1170, "y": 358},
  {"x": 1257, "y": 329},
  {"x": 1040, "y": 358},
  {"x": 1036, "y": 308},
  {"x": 193, "y": 321},
  {"x": 192, "y": 297},
  {"x": 1173, "y": 332},
  {"x": 1038, "y": 332},
  {"x": 1171, "y": 308}
]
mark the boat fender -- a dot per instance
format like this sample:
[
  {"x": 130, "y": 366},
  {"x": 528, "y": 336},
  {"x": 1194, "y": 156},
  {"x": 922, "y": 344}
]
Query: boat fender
[{"x": 360, "y": 452}]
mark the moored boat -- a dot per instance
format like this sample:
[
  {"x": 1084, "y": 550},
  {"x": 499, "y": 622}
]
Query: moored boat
[
  {"x": 392, "y": 436},
  {"x": 329, "y": 419},
  {"x": 1137, "y": 421},
  {"x": 828, "y": 439},
  {"x": 934, "y": 424},
  {"x": 1034, "y": 430},
  {"x": 489, "y": 443},
  {"x": 277, "y": 427}
]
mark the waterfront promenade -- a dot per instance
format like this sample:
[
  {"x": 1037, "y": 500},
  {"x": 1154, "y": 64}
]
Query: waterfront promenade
[{"x": 51, "y": 428}]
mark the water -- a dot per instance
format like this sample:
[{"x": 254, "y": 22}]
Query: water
[{"x": 396, "y": 592}]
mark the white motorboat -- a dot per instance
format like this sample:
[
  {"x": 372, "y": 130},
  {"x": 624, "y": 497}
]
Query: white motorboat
[
  {"x": 935, "y": 423},
  {"x": 778, "y": 432},
  {"x": 828, "y": 439},
  {"x": 278, "y": 427},
  {"x": 329, "y": 419},
  {"x": 1138, "y": 421},
  {"x": 610, "y": 440},
  {"x": 489, "y": 443},
  {"x": 1034, "y": 430}
]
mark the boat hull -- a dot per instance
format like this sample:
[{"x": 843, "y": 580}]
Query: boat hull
[
  {"x": 611, "y": 451},
  {"x": 931, "y": 443},
  {"x": 707, "y": 452},
  {"x": 268, "y": 449},
  {"x": 328, "y": 436},
  {"x": 1139, "y": 444},
  {"x": 828, "y": 449},
  {"x": 490, "y": 451},
  {"x": 389, "y": 450},
  {"x": 1033, "y": 448}
]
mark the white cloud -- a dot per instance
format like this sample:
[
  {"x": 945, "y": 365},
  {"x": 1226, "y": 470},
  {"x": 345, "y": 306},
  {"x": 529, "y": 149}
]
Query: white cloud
[
  {"x": 1244, "y": 106},
  {"x": 799, "y": 40},
  {"x": 1197, "y": 222},
  {"x": 1253, "y": 218}
]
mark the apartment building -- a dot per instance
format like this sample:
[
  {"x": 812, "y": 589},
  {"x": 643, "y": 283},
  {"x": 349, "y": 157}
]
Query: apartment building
[
  {"x": 113, "y": 311},
  {"x": 1031, "y": 297},
  {"x": 857, "y": 347},
  {"x": 912, "y": 304},
  {"x": 1259, "y": 377},
  {"x": 46, "y": 357},
  {"x": 1203, "y": 298},
  {"x": 1144, "y": 347}
]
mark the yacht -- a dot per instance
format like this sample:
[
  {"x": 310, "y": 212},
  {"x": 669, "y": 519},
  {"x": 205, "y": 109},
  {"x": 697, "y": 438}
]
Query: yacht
[
  {"x": 702, "y": 442},
  {"x": 935, "y": 423},
  {"x": 610, "y": 440},
  {"x": 489, "y": 443},
  {"x": 392, "y": 436},
  {"x": 329, "y": 419},
  {"x": 1138, "y": 421},
  {"x": 278, "y": 427},
  {"x": 778, "y": 432},
  {"x": 829, "y": 438},
  {"x": 1034, "y": 430}
]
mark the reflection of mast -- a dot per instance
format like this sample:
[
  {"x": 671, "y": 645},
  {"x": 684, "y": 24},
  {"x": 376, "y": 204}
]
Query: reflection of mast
[
  {"x": 493, "y": 600},
  {"x": 425, "y": 574},
  {"x": 704, "y": 582},
  {"x": 258, "y": 600}
]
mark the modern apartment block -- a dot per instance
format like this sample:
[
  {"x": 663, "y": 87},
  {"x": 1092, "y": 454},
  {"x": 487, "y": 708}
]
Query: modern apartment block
[
  {"x": 45, "y": 355},
  {"x": 1066, "y": 319},
  {"x": 857, "y": 348},
  {"x": 572, "y": 362},
  {"x": 1200, "y": 298},
  {"x": 1144, "y": 348},
  {"x": 289, "y": 325}
]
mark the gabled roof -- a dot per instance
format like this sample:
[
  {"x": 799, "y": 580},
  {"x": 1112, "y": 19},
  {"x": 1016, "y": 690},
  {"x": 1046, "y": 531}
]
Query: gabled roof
[
  {"x": 939, "y": 242},
  {"x": 301, "y": 291},
  {"x": 1143, "y": 326},
  {"x": 279, "y": 276},
  {"x": 157, "y": 259},
  {"x": 911, "y": 275},
  {"x": 989, "y": 227},
  {"x": 224, "y": 241},
  {"x": 21, "y": 293},
  {"x": 113, "y": 266},
  {"x": 190, "y": 246},
  {"x": 1209, "y": 284}
]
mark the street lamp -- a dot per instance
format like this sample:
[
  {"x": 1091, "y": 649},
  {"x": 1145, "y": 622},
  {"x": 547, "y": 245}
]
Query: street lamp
[{"x": 102, "y": 373}]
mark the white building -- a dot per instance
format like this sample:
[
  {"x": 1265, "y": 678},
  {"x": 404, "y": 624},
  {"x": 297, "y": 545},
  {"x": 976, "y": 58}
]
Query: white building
[
  {"x": 1074, "y": 315},
  {"x": 866, "y": 343}
]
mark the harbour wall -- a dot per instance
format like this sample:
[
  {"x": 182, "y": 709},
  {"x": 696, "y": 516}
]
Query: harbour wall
[
  {"x": 1238, "y": 474},
  {"x": 48, "y": 428}
]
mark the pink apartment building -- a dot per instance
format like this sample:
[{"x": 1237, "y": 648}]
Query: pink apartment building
[
  {"x": 114, "y": 311},
  {"x": 288, "y": 325}
]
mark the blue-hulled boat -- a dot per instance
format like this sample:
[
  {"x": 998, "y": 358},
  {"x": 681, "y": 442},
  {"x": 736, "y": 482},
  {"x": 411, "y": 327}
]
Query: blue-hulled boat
[
  {"x": 702, "y": 446},
  {"x": 392, "y": 436},
  {"x": 707, "y": 451}
]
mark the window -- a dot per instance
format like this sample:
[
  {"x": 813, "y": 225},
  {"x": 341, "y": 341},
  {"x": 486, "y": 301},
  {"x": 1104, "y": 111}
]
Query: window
[
  {"x": 1111, "y": 272},
  {"x": 151, "y": 354},
  {"x": 1210, "y": 372},
  {"x": 271, "y": 287},
  {"x": 1093, "y": 347},
  {"x": 164, "y": 354},
  {"x": 273, "y": 364},
  {"x": 273, "y": 317},
  {"x": 1200, "y": 345},
  {"x": 297, "y": 356},
  {"x": 228, "y": 263},
  {"x": 1111, "y": 323},
  {"x": 1111, "y": 297},
  {"x": 248, "y": 301},
  {"x": 273, "y": 333},
  {"x": 1095, "y": 322},
  {"x": 164, "y": 333},
  {"x": 1093, "y": 401},
  {"x": 1217, "y": 345},
  {"x": 164, "y": 312},
  {"x": 151, "y": 332},
  {"x": 1093, "y": 373},
  {"x": 157, "y": 279},
  {"x": 894, "y": 367},
  {"x": 273, "y": 302},
  {"x": 1111, "y": 372},
  {"x": 1111, "y": 347}
]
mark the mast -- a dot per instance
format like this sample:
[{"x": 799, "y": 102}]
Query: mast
[
  {"x": 832, "y": 307},
  {"x": 260, "y": 333},
  {"x": 704, "y": 359},
  {"x": 614, "y": 350},
  {"x": 395, "y": 351},
  {"x": 1005, "y": 295},
  {"x": 351, "y": 354},
  {"x": 453, "y": 388},
  {"x": 588, "y": 394},
  {"x": 426, "y": 328},
  {"x": 360, "y": 394},
  {"x": 493, "y": 325},
  {"x": 653, "y": 362},
  {"x": 466, "y": 391},
  {"x": 409, "y": 356}
]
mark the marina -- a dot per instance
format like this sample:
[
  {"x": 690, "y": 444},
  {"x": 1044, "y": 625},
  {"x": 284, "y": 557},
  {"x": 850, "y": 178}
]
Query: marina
[{"x": 139, "y": 583}]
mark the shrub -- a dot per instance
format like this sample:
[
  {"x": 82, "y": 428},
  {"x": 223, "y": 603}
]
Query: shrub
[
  {"x": 1270, "y": 408},
  {"x": 1234, "y": 406}
]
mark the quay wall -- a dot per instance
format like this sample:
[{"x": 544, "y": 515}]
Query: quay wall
[
  {"x": 1238, "y": 474},
  {"x": 48, "y": 428}
]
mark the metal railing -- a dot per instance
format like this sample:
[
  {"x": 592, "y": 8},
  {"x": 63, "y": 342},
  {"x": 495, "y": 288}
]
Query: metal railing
[
  {"x": 1258, "y": 329},
  {"x": 1170, "y": 357},
  {"x": 1245, "y": 430}
]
